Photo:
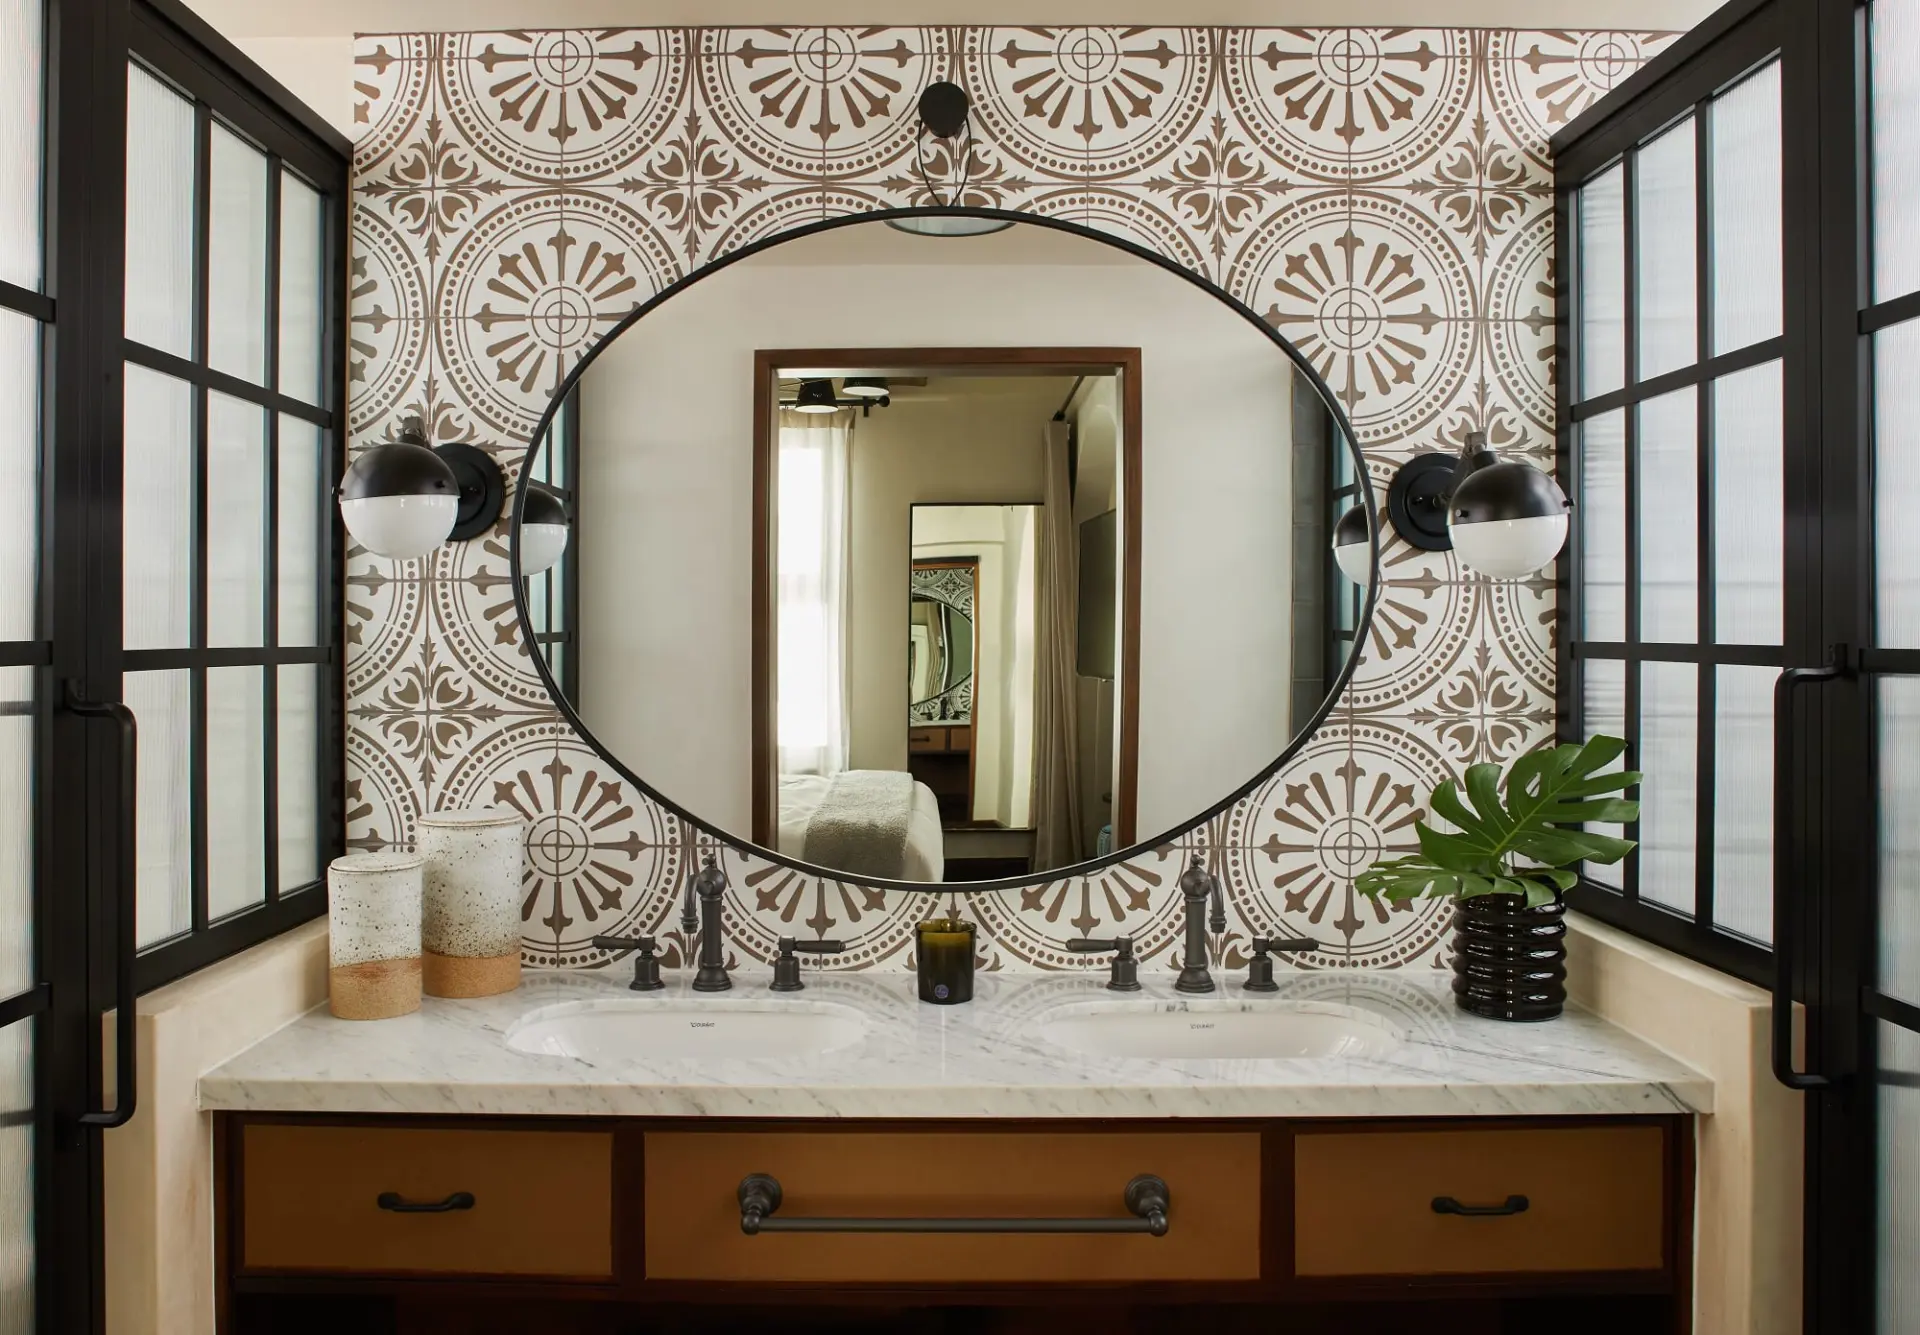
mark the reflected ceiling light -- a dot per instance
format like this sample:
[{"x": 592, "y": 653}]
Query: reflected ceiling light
[
  {"x": 1504, "y": 520},
  {"x": 816, "y": 396},
  {"x": 543, "y": 528},
  {"x": 943, "y": 116},
  {"x": 1351, "y": 548},
  {"x": 864, "y": 387},
  {"x": 403, "y": 498}
]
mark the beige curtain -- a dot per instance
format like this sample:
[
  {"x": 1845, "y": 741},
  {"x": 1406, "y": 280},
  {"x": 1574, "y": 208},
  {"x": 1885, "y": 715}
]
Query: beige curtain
[{"x": 1056, "y": 724}]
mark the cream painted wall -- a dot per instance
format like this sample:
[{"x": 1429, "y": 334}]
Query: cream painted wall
[
  {"x": 667, "y": 484},
  {"x": 1747, "y": 1206},
  {"x": 159, "y": 1167}
]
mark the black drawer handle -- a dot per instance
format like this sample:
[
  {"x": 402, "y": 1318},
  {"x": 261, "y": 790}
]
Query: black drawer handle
[
  {"x": 1512, "y": 1205},
  {"x": 1145, "y": 1198},
  {"x": 394, "y": 1201}
]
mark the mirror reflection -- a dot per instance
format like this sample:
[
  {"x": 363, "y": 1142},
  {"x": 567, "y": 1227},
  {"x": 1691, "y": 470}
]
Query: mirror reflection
[{"x": 1089, "y": 498}]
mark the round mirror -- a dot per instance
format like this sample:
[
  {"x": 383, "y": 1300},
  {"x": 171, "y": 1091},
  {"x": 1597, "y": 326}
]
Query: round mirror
[{"x": 920, "y": 559}]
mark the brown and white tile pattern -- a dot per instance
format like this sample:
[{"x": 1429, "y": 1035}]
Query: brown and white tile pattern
[{"x": 1383, "y": 196}]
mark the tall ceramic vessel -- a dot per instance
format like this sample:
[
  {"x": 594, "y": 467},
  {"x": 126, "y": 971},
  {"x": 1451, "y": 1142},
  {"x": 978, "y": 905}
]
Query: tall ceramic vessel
[
  {"x": 470, "y": 926},
  {"x": 373, "y": 945}
]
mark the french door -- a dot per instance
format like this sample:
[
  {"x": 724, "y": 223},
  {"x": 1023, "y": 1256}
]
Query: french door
[{"x": 95, "y": 832}]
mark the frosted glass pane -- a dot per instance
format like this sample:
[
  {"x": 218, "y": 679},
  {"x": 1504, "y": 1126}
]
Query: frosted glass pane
[
  {"x": 236, "y": 523},
  {"x": 158, "y": 510},
  {"x": 1748, "y": 282},
  {"x": 1669, "y": 517},
  {"x": 1897, "y": 702},
  {"x": 1898, "y": 1180},
  {"x": 303, "y": 319},
  {"x": 1664, "y": 234},
  {"x": 1896, "y": 483},
  {"x": 1749, "y": 551},
  {"x": 1603, "y": 708},
  {"x": 1743, "y": 801},
  {"x": 1669, "y": 756},
  {"x": 1895, "y": 119},
  {"x": 22, "y": 99},
  {"x": 16, "y": 1179},
  {"x": 236, "y": 790},
  {"x": 237, "y": 258},
  {"x": 19, "y": 474},
  {"x": 1603, "y": 284},
  {"x": 298, "y": 758},
  {"x": 160, "y": 182},
  {"x": 162, "y": 706},
  {"x": 303, "y": 493},
  {"x": 1602, "y": 516},
  {"x": 17, "y": 972}
]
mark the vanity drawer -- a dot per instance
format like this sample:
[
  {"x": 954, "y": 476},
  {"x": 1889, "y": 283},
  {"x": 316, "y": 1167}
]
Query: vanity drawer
[
  {"x": 1364, "y": 1201},
  {"x": 693, "y": 1208},
  {"x": 542, "y": 1201},
  {"x": 921, "y": 741}
]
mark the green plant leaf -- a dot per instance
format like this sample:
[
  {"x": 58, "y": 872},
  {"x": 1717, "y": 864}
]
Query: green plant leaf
[
  {"x": 1447, "y": 806},
  {"x": 1453, "y": 852},
  {"x": 1483, "y": 786},
  {"x": 1539, "y": 893},
  {"x": 1609, "y": 811}
]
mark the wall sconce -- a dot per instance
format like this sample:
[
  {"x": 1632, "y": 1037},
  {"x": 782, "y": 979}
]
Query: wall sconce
[
  {"x": 943, "y": 115},
  {"x": 1351, "y": 550},
  {"x": 543, "y": 528},
  {"x": 1504, "y": 520},
  {"x": 404, "y": 498}
]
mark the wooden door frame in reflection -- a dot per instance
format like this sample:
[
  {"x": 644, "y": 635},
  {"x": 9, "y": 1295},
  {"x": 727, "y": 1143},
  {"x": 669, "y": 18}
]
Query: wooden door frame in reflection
[
  {"x": 768, "y": 363},
  {"x": 972, "y": 565}
]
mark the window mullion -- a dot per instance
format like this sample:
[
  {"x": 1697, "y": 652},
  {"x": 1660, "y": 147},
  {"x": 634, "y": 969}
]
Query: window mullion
[
  {"x": 1706, "y": 689},
  {"x": 1630, "y": 431}
]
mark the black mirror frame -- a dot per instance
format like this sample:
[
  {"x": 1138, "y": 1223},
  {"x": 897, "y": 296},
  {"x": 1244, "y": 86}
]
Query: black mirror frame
[{"x": 1092, "y": 865}]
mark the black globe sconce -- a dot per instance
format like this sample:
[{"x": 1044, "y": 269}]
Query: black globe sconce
[{"x": 403, "y": 498}]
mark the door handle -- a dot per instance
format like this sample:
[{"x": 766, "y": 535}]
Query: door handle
[
  {"x": 1786, "y": 900},
  {"x": 1511, "y": 1206},
  {"x": 125, "y": 1058},
  {"x": 398, "y": 1204},
  {"x": 1145, "y": 1197}
]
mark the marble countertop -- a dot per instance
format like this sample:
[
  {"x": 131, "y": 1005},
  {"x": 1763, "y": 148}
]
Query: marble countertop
[{"x": 986, "y": 1059}]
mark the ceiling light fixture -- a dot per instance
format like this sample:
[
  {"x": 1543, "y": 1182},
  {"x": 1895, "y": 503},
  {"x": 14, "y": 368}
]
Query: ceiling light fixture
[
  {"x": 943, "y": 116},
  {"x": 864, "y": 387},
  {"x": 816, "y": 396}
]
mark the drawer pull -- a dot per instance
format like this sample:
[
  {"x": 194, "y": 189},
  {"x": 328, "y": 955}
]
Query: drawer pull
[
  {"x": 1146, "y": 1199},
  {"x": 1512, "y": 1205},
  {"x": 392, "y": 1200}
]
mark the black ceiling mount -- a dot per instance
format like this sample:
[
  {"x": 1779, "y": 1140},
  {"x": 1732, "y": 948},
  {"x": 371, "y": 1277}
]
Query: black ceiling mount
[
  {"x": 943, "y": 109},
  {"x": 483, "y": 489},
  {"x": 1417, "y": 501}
]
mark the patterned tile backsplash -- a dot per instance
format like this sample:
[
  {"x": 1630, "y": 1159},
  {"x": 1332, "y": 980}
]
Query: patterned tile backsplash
[{"x": 1383, "y": 196}]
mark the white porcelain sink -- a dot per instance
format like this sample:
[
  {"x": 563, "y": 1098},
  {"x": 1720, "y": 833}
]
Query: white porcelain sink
[
  {"x": 1273, "y": 1032},
  {"x": 643, "y": 1031}
]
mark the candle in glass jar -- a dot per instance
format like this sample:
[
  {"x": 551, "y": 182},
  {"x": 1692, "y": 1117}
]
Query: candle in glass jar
[{"x": 943, "y": 954}]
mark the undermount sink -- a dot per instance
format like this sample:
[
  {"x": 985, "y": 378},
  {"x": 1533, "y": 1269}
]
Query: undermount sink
[
  {"x": 1202, "y": 1032},
  {"x": 643, "y": 1031}
]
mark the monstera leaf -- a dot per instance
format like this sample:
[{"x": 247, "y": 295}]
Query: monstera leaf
[{"x": 1514, "y": 838}]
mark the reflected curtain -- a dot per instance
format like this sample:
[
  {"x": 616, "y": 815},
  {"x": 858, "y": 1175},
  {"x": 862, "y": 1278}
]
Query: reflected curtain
[
  {"x": 811, "y": 591},
  {"x": 1056, "y": 729}
]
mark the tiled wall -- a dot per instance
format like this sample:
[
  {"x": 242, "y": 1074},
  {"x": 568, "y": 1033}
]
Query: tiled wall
[{"x": 1383, "y": 196}]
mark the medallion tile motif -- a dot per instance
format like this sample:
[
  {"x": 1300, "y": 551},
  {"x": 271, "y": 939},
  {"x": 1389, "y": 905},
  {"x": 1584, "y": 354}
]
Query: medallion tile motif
[{"x": 1382, "y": 196}]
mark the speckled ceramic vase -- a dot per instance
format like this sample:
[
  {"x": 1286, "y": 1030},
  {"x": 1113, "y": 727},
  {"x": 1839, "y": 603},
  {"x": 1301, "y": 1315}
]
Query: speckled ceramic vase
[
  {"x": 470, "y": 924},
  {"x": 1510, "y": 961},
  {"x": 373, "y": 942}
]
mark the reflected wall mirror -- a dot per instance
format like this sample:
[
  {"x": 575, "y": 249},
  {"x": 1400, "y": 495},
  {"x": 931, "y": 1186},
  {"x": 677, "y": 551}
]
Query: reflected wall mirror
[{"x": 1087, "y": 493}]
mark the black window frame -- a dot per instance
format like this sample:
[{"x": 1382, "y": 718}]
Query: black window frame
[
  {"x": 1681, "y": 82},
  {"x": 226, "y": 88},
  {"x": 560, "y": 582}
]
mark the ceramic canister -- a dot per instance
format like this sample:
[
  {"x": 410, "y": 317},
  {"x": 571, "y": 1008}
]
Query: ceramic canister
[
  {"x": 373, "y": 945},
  {"x": 470, "y": 923}
]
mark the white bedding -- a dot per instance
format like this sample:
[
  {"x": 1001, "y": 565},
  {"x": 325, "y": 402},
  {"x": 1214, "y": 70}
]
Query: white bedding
[{"x": 801, "y": 795}]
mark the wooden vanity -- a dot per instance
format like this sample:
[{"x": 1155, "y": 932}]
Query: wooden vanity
[{"x": 454, "y": 1224}]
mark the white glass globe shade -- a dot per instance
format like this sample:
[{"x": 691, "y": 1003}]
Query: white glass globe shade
[
  {"x": 1509, "y": 548},
  {"x": 540, "y": 546},
  {"x": 400, "y": 526}
]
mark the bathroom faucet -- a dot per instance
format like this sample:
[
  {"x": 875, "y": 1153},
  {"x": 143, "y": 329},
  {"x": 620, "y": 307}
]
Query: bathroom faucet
[
  {"x": 709, "y": 887},
  {"x": 1199, "y": 886}
]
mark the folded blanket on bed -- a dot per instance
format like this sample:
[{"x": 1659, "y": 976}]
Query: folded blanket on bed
[{"x": 861, "y": 824}]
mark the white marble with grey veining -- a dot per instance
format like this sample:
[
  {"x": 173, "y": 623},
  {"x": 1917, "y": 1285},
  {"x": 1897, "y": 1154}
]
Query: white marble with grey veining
[{"x": 986, "y": 1059}]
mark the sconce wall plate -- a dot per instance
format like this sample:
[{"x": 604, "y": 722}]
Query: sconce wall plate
[
  {"x": 1417, "y": 500},
  {"x": 483, "y": 489}
]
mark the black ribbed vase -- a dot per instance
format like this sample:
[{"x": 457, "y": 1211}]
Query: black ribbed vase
[{"x": 1509, "y": 961}]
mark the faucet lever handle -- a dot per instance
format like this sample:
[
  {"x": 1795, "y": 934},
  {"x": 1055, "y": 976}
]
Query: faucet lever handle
[
  {"x": 786, "y": 965},
  {"x": 646, "y": 966},
  {"x": 1125, "y": 976},
  {"x": 1260, "y": 967}
]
